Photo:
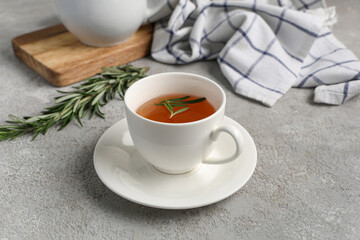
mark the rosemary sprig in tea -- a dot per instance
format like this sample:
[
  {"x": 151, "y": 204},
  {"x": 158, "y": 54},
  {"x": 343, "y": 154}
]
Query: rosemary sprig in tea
[
  {"x": 86, "y": 99},
  {"x": 178, "y": 102},
  {"x": 169, "y": 107}
]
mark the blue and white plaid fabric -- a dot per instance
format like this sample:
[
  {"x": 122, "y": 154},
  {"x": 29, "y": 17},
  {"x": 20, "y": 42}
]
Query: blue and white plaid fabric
[{"x": 263, "y": 47}]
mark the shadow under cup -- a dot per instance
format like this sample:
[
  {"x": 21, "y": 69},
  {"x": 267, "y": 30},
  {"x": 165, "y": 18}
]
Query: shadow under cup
[{"x": 173, "y": 147}]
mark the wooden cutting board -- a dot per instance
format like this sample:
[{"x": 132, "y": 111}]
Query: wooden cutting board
[{"x": 61, "y": 59}]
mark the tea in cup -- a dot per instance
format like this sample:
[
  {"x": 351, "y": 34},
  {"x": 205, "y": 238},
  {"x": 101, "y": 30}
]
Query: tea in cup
[
  {"x": 105, "y": 23},
  {"x": 176, "y": 142}
]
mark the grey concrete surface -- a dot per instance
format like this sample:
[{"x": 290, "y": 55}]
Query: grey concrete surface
[{"x": 305, "y": 186}]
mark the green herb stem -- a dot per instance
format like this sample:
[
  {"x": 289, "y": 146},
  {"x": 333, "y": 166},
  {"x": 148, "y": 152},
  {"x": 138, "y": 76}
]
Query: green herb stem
[{"x": 86, "y": 99}]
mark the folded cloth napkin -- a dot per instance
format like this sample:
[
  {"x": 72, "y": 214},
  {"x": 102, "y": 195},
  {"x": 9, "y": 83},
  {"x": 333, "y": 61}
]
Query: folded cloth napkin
[{"x": 263, "y": 47}]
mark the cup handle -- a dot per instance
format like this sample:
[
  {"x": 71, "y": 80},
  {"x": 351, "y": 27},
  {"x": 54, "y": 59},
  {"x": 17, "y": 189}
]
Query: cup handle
[
  {"x": 238, "y": 138},
  {"x": 155, "y": 9}
]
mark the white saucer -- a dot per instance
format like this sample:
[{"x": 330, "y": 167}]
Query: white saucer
[{"x": 121, "y": 168}]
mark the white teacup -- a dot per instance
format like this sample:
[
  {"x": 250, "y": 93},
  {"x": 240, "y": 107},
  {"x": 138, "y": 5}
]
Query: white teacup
[
  {"x": 178, "y": 147},
  {"x": 105, "y": 23}
]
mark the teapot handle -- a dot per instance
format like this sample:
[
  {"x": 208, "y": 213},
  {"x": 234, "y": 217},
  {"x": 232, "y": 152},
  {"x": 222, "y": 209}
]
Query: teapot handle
[{"x": 151, "y": 11}]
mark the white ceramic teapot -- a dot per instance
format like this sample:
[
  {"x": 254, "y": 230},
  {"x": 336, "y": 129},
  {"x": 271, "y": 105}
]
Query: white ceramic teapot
[{"x": 102, "y": 23}]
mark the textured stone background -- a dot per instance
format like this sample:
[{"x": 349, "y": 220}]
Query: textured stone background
[{"x": 306, "y": 184}]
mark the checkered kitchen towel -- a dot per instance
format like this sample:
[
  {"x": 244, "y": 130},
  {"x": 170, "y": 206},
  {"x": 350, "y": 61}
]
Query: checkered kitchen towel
[{"x": 263, "y": 47}]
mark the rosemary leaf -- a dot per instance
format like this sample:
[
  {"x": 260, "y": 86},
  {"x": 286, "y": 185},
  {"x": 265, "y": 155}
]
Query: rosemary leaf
[
  {"x": 66, "y": 97},
  {"x": 179, "y": 111},
  {"x": 177, "y": 99},
  {"x": 76, "y": 105},
  {"x": 97, "y": 98},
  {"x": 111, "y": 69},
  {"x": 191, "y": 101},
  {"x": 168, "y": 106}
]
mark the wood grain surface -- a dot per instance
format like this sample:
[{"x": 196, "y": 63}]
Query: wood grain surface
[{"x": 61, "y": 59}]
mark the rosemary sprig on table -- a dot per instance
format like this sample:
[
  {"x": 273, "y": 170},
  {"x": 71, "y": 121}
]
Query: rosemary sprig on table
[
  {"x": 86, "y": 99},
  {"x": 178, "y": 102}
]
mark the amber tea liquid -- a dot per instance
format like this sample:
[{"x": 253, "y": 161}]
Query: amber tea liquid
[{"x": 160, "y": 113}]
